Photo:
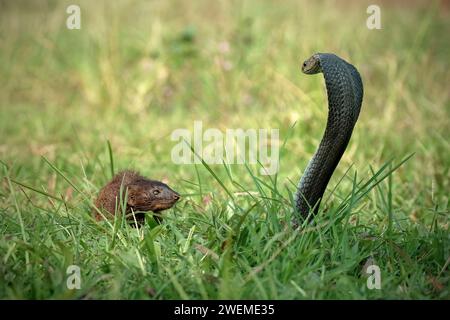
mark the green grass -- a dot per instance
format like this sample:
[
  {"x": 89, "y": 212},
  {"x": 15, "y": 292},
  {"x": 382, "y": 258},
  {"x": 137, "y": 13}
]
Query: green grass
[{"x": 78, "y": 105}]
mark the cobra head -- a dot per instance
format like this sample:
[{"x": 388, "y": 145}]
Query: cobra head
[{"x": 312, "y": 65}]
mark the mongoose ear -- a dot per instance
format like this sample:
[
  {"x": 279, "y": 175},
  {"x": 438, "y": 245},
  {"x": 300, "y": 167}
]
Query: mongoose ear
[{"x": 132, "y": 192}]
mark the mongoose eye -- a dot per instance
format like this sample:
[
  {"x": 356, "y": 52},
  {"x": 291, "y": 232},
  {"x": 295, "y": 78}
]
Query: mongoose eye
[{"x": 155, "y": 192}]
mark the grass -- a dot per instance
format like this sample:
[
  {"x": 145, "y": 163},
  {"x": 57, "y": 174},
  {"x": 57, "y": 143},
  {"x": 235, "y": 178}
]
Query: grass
[{"x": 78, "y": 105}]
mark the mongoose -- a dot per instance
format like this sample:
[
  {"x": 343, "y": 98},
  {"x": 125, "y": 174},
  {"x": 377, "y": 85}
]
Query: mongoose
[{"x": 142, "y": 195}]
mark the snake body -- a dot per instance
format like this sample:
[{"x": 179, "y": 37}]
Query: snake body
[{"x": 345, "y": 93}]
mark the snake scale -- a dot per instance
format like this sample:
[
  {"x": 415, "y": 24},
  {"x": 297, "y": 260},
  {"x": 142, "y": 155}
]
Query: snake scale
[{"x": 345, "y": 93}]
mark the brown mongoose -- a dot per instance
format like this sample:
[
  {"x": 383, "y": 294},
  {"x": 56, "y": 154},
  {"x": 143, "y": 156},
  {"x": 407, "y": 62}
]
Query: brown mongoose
[{"x": 142, "y": 195}]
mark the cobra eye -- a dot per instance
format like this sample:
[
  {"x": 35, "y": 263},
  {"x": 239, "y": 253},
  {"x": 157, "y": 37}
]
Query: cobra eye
[
  {"x": 155, "y": 192},
  {"x": 304, "y": 64}
]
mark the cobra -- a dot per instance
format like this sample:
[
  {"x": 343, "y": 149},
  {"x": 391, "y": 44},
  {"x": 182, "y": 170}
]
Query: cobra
[{"x": 345, "y": 93}]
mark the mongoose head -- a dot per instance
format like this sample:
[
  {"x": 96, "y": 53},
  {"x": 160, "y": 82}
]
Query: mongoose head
[{"x": 150, "y": 195}]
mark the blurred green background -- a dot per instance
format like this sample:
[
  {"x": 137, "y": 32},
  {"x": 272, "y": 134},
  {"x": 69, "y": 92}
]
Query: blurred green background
[{"x": 137, "y": 70}]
